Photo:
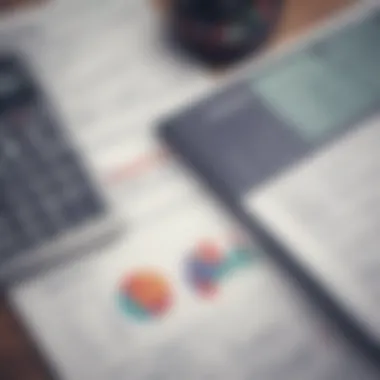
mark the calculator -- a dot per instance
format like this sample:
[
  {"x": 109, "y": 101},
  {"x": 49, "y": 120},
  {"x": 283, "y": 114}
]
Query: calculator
[{"x": 51, "y": 207}]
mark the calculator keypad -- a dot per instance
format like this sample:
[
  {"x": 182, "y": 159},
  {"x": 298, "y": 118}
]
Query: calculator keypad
[{"x": 44, "y": 189}]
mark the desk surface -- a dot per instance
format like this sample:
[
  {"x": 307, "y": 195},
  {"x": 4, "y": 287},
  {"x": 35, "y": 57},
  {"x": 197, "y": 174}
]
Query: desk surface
[{"x": 18, "y": 358}]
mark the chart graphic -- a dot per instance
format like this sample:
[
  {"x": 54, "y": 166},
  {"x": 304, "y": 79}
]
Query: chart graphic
[
  {"x": 145, "y": 295},
  {"x": 209, "y": 265}
]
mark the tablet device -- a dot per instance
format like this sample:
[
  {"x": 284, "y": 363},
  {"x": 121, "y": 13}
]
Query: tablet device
[{"x": 294, "y": 150}]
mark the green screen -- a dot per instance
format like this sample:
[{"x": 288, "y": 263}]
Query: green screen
[{"x": 327, "y": 85}]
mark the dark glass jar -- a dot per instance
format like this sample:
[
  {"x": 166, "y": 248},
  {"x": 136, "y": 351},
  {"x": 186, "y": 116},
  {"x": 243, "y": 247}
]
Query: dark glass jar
[{"x": 221, "y": 31}]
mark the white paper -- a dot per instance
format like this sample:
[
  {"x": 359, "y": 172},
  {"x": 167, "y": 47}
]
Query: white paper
[{"x": 254, "y": 327}]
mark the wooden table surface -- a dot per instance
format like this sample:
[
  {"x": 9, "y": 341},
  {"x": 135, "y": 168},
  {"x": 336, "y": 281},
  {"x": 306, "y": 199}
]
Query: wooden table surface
[{"x": 18, "y": 358}]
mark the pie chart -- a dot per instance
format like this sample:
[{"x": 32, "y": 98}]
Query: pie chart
[{"x": 145, "y": 295}]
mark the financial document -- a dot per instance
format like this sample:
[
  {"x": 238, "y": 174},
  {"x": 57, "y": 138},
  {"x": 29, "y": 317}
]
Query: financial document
[{"x": 108, "y": 72}]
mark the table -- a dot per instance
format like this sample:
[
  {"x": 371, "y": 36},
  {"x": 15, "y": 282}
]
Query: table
[{"x": 19, "y": 359}]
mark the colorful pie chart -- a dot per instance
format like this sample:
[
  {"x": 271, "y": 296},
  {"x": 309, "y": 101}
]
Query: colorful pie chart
[{"x": 145, "y": 295}]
